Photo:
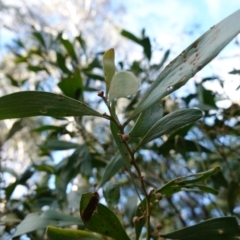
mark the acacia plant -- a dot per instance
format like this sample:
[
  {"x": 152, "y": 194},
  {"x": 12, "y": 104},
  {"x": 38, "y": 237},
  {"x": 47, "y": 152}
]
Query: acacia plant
[{"x": 131, "y": 132}]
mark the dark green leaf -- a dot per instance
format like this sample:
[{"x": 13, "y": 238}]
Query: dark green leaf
[
  {"x": 232, "y": 194},
  {"x": 49, "y": 127},
  {"x": 16, "y": 82},
  {"x": 131, "y": 36},
  {"x": 22, "y": 179},
  {"x": 17, "y": 126},
  {"x": 61, "y": 63},
  {"x": 82, "y": 42},
  {"x": 220, "y": 180},
  {"x": 29, "y": 104},
  {"x": 10, "y": 188},
  {"x": 224, "y": 228},
  {"x": 45, "y": 168},
  {"x": 72, "y": 86},
  {"x": 25, "y": 175},
  {"x": 40, "y": 38},
  {"x": 36, "y": 68},
  {"x": 147, "y": 48},
  {"x": 144, "y": 42},
  {"x": 235, "y": 71},
  {"x": 164, "y": 59},
  {"x": 206, "y": 97},
  {"x": 94, "y": 76}
]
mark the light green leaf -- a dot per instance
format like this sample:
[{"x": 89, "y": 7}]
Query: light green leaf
[
  {"x": 103, "y": 220},
  {"x": 171, "y": 122},
  {"x": 190, "y": 61},
  {"x": 146, "y": 120},
  {"x": 54, "y": 233},
  {"x": 108, "y": 67},
  {"x": 213, "y": 229},
  {"x": 34, "y": 221},
  {"x": 33, "y": 103},
  {"x": 123, "y": 84},
  {"x": 10, "y": 218}
]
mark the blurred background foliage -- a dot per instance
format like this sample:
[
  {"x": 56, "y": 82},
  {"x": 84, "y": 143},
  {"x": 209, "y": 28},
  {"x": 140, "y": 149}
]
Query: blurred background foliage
[{"x": 47, "y": 163}]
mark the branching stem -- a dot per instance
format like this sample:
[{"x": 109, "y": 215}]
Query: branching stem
[{"x": 133, "y": 162}]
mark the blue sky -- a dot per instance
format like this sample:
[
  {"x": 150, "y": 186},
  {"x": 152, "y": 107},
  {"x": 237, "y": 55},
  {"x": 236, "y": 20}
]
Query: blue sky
[
  {"x": 176, "y": 24},
  {"x": 176, "y": 16}
]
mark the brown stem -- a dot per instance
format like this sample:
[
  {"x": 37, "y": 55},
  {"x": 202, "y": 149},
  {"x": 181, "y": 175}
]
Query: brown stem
[{"x": 147, "y": 196}]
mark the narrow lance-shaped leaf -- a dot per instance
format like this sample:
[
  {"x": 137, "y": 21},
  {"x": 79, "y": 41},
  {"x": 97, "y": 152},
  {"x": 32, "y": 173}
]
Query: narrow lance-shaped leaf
[
  {"x": 55, "y": 144},
  {"x": 40, "y": 38},
  {"x": 144, "y": 42},
  {"x": 17, "y": 126},
  {"x": 70, "y": 48},
  {"x": 190, "y": 61},
  {"x": 108, "y": 67},
  {"x": 171, "y": 122},
  {"x": 224, "y": 228},
  {"x": 33, "y": 103},
  {"x": 130, "y": 36},
  {"x": 54, "y": 233},
  {"x": 203, "y": 188},
  {"x": 146, "y": 120},
  {"x": 34, "y": 221},
  {"x": 82, "y": 42},
  {"x": 123, "y": 84},
  {"x": 177, "y": 184}
]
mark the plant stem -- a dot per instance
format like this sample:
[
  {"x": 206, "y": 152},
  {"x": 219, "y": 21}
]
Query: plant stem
[{"x": 134, "y": 163}]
